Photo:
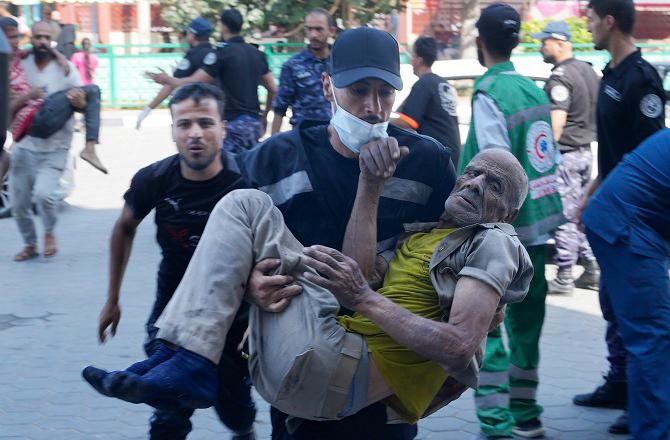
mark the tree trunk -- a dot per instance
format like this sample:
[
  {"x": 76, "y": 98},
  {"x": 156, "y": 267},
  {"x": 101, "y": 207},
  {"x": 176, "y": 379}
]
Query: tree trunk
[{"x": 469, "y": 14}]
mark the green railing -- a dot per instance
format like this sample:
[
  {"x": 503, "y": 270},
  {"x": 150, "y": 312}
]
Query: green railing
[
  {"x": 586, "y": 52},
  {"x": 121, "y": 78}
]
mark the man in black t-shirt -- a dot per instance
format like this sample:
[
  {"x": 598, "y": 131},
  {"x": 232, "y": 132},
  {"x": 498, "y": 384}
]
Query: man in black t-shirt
[
  {"x": 239, "y": 70},
  {"x": 430, "y": 108},
  {"x": 183, "y": 189},
  {"x": 572, "y": 90}
]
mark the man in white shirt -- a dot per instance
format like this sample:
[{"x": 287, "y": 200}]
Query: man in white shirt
[{"x": 37, "y": 164}]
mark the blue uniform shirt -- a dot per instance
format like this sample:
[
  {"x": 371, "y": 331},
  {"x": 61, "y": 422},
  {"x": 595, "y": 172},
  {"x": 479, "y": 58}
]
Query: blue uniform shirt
[
  {"x": 300, "y": 88},
  {"x": 632, "y": 204}
]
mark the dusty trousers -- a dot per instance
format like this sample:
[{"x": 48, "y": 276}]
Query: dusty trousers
[{"x": 301, "y": 360}]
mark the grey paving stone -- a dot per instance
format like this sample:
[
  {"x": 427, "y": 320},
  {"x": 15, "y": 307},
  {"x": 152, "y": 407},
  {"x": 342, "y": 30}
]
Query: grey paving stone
[{"x": 444, "y": 424}]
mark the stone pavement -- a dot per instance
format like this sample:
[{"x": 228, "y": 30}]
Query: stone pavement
[{"x": 49, "y": 311}]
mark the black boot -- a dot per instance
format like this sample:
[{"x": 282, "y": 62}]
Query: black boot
[
  {"x": 590, "y": 279},
  {"x": 563, "y": 284},
  {"x": 620, "y": 426},
  {"x": 608, "y": 395}
]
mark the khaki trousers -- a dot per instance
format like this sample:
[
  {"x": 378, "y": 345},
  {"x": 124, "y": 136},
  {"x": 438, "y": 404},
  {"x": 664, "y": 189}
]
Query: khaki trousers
[{"x": 301, "y": 360}]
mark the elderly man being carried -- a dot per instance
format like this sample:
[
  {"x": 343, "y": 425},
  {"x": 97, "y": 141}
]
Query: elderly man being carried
[{"x": 408, "y": 342}]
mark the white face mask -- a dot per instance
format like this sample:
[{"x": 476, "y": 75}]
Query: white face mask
[{"x": 355, "y": 132}]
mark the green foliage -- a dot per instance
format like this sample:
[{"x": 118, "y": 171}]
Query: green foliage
[
  {"x": 178, "y": 13},
  {"x": 262, "y": 13},
  {"x": 580, "y": 34}
]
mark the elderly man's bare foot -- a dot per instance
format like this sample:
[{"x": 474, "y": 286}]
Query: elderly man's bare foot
[
  {"x": 28, "y": 252},
  {"x": 89, "y": 155},
  {"x": 50, "y": 245}
]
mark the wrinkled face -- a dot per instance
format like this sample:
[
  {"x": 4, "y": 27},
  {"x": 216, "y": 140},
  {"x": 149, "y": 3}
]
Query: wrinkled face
[
  {"x": 198, "y": 131},
  {"x": 370, "y": 99},
  {"x": 41, "y": 40},
  {"x": 550, "y": 50},
  {"x": 598, "y": 28},
  {"x": 13, "y": 37},
  {"x": 317, "y": 31},
  {"x": 484, "y": 193}
]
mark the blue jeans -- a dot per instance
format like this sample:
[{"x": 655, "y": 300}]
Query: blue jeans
[
  {"x": 235, "y": 407},
  {"x": 56, "y": 110},
  {"x": 638, "y": 289}
]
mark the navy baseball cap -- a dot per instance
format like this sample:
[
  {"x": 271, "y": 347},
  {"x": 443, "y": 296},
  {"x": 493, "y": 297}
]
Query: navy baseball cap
[
  {"x": 558, "y": 30},
  {"x": 499, "y": 20},
  {"x": 365, "y": 53},
  {"x": 200, "y": 27}
]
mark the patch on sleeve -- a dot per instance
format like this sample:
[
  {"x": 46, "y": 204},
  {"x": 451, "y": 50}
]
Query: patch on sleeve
[
  {"x": 184, "y": 64},
  {"x": 540, "y": 146},
  {"x": 209, "y": 59},
  {"x": 651, "y": 106},
  {"x": 560, "y": 93}
]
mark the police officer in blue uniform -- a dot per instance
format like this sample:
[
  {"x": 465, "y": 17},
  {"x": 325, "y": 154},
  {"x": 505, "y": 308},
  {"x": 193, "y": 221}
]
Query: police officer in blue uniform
[
  {"x": 239, "y": 69},
  {"x": 300, "y": 84},
  {"x": 631, "y": 107},
  {"x": 628, "y": 225},
  {"x": 201, "y": 53}
]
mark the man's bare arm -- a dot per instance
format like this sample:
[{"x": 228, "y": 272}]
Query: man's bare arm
[
  {"x": 586, "y": 198},
  {"x": 558, "y": 120},
  {"x": 276, "y": 123},
  {"x": 63, "y": 62},
  {"x": 121, "y": 244},
  {"x": 452, "y": 344},
  {"x": 360, "y": 238},
  {"x": 377, "y": 162},
  {"x": 163, "y": 78},
  {"x": 160, "y": 97},
  {"x": 269, "y": 83}
]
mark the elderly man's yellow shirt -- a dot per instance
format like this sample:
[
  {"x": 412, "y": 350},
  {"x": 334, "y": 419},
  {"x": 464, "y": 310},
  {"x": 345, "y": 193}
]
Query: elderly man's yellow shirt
[{"x": 414, "y": 379}]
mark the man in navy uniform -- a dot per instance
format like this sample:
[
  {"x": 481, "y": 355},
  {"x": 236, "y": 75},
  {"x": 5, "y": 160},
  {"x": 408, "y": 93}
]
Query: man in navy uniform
[
  {"x": 300, "y": 80},
  {"x": 239, "y": 69},
  {"x": 201, "y": 53}
]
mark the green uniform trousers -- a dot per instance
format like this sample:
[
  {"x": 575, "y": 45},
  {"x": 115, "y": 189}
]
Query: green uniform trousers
[{"x": 508, "y": 380}]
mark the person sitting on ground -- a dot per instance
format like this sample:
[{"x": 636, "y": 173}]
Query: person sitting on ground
[
  {"x": 40, "y": 117},
  {"x": 420, "y": 332}
]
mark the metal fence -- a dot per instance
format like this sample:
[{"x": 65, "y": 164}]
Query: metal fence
[{"x": 121, "y": 78}]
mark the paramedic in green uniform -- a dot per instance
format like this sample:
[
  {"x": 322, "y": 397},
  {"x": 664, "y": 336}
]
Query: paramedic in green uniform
[{"x": 509, "y": 111}]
